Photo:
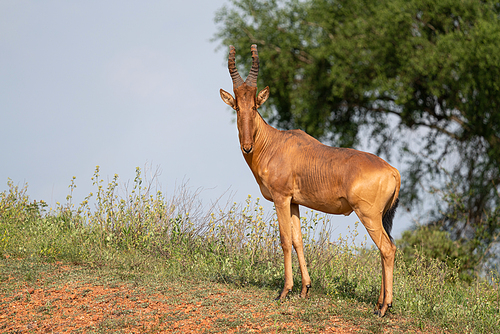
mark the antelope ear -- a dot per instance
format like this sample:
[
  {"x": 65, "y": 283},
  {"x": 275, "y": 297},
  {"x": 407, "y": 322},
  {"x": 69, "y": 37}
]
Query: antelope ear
[
  {"x": 228, "y": 98},
  {"x": 262, "y": 96}
]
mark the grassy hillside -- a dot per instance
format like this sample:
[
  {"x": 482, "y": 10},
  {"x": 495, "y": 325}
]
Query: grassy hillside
[{"x": 141, "y": 232}]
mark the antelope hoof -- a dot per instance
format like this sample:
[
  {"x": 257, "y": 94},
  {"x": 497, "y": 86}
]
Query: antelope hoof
[
  {"x": 283, "y": 295},
  {"x": 305, "y": 291},
  {"x": 383, "y": 310}
]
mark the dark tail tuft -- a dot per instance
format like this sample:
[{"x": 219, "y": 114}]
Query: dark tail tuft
[{"x": 388, "y": 217}]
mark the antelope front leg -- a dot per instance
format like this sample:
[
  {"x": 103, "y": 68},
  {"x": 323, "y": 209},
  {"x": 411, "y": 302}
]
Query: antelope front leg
[
  {"x": 299, "y": 248},
  {"x": 285, "y": 226}
]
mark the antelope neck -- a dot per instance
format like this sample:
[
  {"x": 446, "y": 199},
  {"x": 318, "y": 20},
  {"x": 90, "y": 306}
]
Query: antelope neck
[{"x": 262, "y": 136}]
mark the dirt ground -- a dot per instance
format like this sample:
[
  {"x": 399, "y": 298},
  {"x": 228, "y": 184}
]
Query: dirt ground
[{"x": 56, "y": 301}]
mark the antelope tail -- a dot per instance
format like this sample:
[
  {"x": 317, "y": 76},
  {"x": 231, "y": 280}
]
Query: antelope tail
[{"x": 388, "y": 216}]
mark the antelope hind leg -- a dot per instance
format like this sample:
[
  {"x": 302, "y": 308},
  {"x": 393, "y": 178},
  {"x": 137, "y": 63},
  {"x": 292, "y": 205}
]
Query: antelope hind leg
[
  {"x": 381, "y": 297},
  {"x": 387, "y": 252}
]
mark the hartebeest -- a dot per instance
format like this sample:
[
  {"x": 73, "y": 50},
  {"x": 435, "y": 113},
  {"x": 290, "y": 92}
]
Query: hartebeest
[{"x": 292, "y": 169}]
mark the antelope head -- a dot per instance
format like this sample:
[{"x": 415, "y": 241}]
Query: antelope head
[{"x": 245, "y": 100}]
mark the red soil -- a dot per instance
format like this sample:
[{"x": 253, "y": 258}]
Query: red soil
[{"x": 82, "y": 307}]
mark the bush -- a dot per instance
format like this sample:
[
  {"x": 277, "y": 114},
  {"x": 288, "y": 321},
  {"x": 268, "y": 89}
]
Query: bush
[{"x": 431, "y": 242}]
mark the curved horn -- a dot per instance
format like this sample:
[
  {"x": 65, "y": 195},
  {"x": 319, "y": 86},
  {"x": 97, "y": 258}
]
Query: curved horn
[
  {"x": 233, "y": 71},
  {"x": 254, "y": 72}
]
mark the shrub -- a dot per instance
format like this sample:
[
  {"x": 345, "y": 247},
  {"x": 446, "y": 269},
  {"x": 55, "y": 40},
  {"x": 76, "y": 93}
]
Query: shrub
[{"x": 431, "y": 242}]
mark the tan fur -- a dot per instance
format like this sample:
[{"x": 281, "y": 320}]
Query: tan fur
[{"x": 292, "y": 169}]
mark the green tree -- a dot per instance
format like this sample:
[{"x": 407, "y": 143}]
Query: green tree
[{"x": 417, "y": 77}]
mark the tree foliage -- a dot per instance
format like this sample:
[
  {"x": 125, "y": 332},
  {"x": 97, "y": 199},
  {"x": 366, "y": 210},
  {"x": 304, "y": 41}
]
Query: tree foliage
[{"x": 417, "y": 77}]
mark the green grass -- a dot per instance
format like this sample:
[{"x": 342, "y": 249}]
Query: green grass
[{"x": 142, "y": 236}]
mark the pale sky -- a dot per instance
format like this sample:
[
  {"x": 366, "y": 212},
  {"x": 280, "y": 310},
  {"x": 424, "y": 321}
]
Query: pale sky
[{"x": 119, "y": 84}]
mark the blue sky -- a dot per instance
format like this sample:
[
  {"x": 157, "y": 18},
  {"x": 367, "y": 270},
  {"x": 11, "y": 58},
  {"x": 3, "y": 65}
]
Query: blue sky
[{"x": 119, "y": 84}]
